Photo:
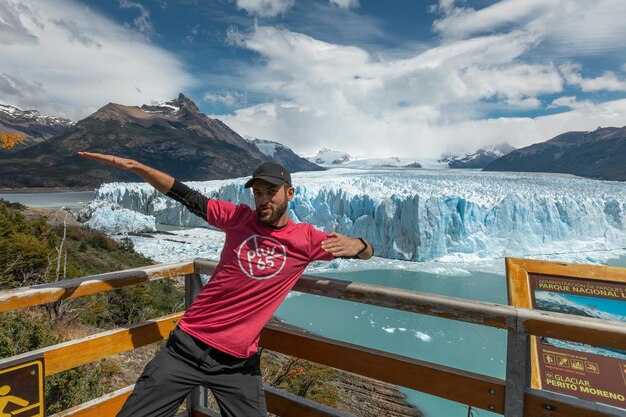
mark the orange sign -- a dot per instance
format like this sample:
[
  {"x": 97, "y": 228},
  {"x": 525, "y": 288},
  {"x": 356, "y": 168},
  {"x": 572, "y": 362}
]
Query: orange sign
[{"x": 588, "y": 372}]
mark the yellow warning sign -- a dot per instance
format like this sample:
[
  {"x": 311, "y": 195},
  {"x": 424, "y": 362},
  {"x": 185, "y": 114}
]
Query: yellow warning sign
[{"x": 22, "y": 388}]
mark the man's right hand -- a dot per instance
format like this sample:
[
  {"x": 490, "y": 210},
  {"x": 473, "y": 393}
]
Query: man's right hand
[
  {"x": 116, "y": 161},
  {"x": 159, "y": 180}
]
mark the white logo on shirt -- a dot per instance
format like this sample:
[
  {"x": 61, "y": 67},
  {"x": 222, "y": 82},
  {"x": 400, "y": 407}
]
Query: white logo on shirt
[{"x": 261, "y": 257}]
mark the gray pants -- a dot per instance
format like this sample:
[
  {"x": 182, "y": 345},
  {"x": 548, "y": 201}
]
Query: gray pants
[{"x": 185, "y": 363}]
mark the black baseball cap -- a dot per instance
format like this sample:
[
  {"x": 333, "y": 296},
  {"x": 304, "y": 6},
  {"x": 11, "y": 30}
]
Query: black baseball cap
[{"x": 271, "y": 172}]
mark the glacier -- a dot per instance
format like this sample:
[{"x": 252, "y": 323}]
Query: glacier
[
  {"x": 115, "y": 220},
  {"x": 421, "y": 215}
]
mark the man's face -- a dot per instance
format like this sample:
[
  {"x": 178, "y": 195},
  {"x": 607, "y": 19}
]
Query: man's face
[{"x": 271, "y": 202}]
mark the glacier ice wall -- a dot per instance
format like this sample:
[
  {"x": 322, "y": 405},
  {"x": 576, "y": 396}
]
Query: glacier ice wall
[
  {"x": 421, "y": 215},
  {"x": 115, "y": 220}
]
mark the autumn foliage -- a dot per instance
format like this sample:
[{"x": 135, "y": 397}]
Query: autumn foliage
[{"x": 9, "y": 140}]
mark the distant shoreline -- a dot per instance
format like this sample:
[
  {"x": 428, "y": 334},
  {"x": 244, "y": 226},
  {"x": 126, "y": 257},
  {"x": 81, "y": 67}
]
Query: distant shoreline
[{"x": 43, "y": 190}]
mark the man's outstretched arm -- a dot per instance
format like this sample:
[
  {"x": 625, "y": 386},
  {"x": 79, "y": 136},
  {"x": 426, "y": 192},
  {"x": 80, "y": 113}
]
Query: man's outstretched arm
[
  {"x": 342, "y": 246},
  {"x": 159, "y": 180},
  {"x": 193, "y": 200}
]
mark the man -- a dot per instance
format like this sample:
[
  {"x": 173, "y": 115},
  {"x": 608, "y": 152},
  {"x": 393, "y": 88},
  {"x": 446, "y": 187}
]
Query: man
[{"x": 215, "y": 343}]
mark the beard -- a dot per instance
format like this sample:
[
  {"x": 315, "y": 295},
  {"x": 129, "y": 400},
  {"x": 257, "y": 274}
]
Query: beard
[{"x": 274, "y": 216}]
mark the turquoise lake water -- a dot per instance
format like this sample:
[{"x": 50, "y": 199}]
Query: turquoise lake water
[
  {"x": 452, "y": 343},
  {"x": 71, "y": 199}
]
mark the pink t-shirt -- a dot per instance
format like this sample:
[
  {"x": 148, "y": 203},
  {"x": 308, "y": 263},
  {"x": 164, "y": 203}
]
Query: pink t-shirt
[{"x": 258, "y": 267}]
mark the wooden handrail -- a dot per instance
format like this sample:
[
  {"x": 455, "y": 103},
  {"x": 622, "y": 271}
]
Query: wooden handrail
[
  {"x": 541, "y": 323},
  {"x": 107, "y": 405},
  {"x": 78, "y": 287},
  {"x": 478, "y": 390},
  {"x": 68, "y": 355}
]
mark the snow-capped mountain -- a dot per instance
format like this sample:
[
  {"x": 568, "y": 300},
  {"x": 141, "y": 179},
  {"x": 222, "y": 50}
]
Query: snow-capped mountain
[
  {"x": 327, "y": 156},
  {"x": 389, "y": 162},
  {"x": 478, "y": 159},
  {"x": 598, "y": 154},
  {"x": 279, "y": 153},
  {"x": 31, "y": 124},
  {"x": 174, "y": 137},
  {"x": 332, "y": 159},
  {"x": 13, "y": 114},
  {"x": 169, "y": 108}
]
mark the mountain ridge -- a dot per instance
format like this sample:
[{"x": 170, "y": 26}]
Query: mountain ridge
[
  {"x": 479, "y": 159},
  {"x": 34, "y": 126},
  {"x": 597, "y": 154},
  {"x": 174, "y": 137}
]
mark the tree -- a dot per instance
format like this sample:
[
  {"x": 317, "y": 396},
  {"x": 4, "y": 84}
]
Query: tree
[{"x": 9, "y": 140}]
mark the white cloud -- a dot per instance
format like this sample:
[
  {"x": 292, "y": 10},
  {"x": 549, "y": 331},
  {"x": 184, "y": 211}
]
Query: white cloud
[
  {"x": 141, "y": 22},
  {"x": 14, "y": 88},
  {"x": 584, "y": 116},
  {"x": 342, "y": 94},
  {"x": 565, "y": 27},
  {"x": 229, "y": 98},
  {"x": 461, "y": 22},
  {"x": 420, "y": 105},
  {"x": 234, "y": 37},
  {"x": 265, "y": 8},
  {"x": 608, "y": 81},
  {"x": 587, "y": 28},
  {"x": 516, "y": 84},
  {"x": 77, "y": 61},
  {"x": 346, "y": 4},
  {"x": 572, "y": 103},
  {"x": 12, "y": 31},
  {"x": 75, "y": 33}
]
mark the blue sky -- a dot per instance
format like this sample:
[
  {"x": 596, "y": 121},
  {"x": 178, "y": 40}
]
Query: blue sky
[{"x": 395, "y": 78}]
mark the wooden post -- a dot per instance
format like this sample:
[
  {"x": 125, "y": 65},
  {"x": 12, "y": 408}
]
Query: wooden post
[
  {"x": 199, "y": 396},
  {"x": 517, "y": 373}
]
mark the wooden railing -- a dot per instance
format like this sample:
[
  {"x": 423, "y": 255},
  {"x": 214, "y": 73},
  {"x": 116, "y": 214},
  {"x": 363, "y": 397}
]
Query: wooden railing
[{"x": 512, "y": 398}]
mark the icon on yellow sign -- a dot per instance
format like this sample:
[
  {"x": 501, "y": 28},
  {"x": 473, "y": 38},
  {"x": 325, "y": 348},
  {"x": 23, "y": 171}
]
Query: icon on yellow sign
[
  {"x": 592, "y": 367},
  {"x": 6, "y": 399},
  {"x": 562, "y": 361},
  {"x": 21, "y": 388},
  {"x": 549, "y": 359},
  {"x": 578, "y": 365}
]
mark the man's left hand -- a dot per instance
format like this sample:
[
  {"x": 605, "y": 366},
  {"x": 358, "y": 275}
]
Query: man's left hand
[{"x": 340, "y": 245}]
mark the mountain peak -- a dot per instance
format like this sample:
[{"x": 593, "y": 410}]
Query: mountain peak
[
  {"x": 16, "y": 115},
  {"x": 330, "y": 157},
  {"x": 172, "y": 107},
  {"x": 118, "y": 112},
  {"x": 186, "y": 102},
  {"x": 479, "y": 159}
]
